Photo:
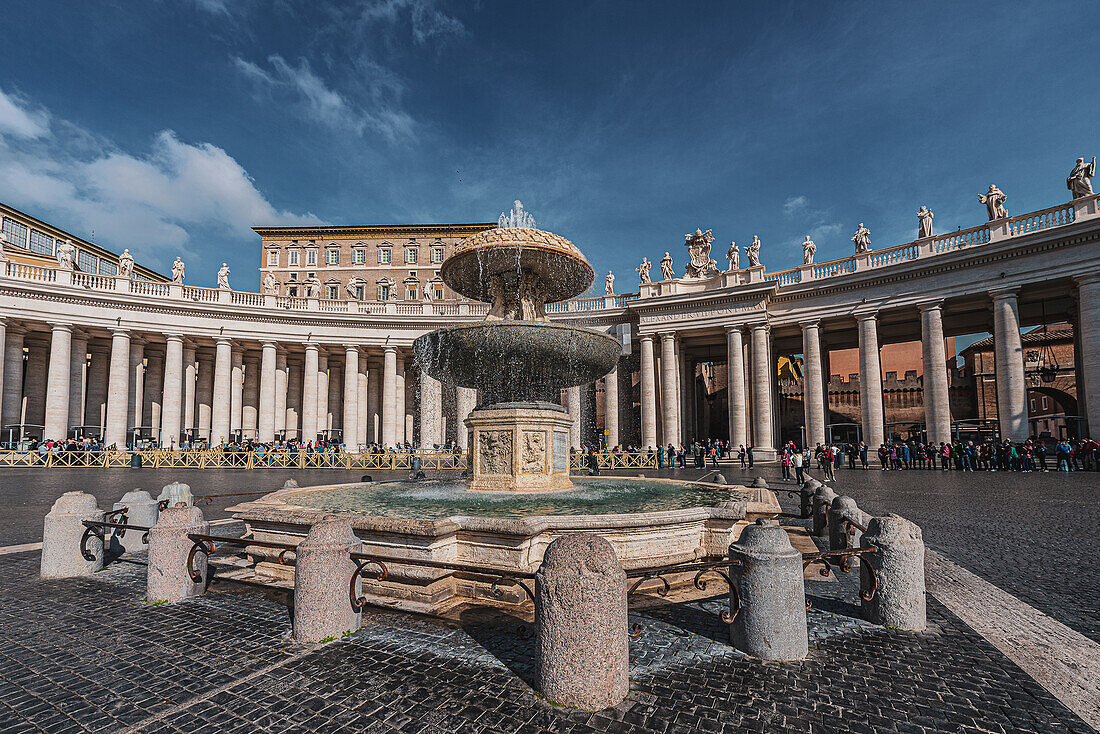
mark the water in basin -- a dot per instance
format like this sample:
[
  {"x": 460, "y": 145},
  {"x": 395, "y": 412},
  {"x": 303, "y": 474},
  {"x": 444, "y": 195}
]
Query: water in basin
[{"x": 449, "y": 497}]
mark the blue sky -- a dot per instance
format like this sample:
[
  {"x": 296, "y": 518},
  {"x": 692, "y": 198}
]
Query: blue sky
[{"x": 172, "y": 127}]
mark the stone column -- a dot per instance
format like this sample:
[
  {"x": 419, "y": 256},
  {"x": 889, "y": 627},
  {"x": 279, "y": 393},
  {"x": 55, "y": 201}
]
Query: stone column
[
  {"x": 389, "y": 397},
  {"x": 870, "y": 381},
  {"x": 361, "y": 400},
  {"x": 136, "y": 395},
  {"x": 351, "y": 397},
  {"x": 223, "y": 366},
  {"x": 813, "y": 385},
  {"x": 670, "y": 393},
  {"x": 280, "y": 392},
  {"x": 190, "y": 383},
  {"x": 293, "y": 398},
  {"x": 937, "y": 401},
  {"x": 431, "y": 410},
  {"x": 685, "y": 373},
  {"x": 336, "y": 392},
  {"x": 611, "y": 406},
  {"x": 1088, "y": 330},
  {"x": 250, "y": 408},
  {"x": 118, "y": 390},
  {"x": 573, "y": 400},
  {"x": 13, "y": 375},
  {"x": 34, "y": 382},
  {"x": 57, "y": 383},
  {"x": 735, "y": 391},
  {"x": 236, "y": 389},
  {"x": 266, "y": 430},
  {"x": 401, "y": 438},
  {"x": 95, "y": 408},
  {"x": 465, "y": 402},
  {"x": 204, "y": 394},
  {"x": 3, "y": 360},
  {"x": 648, "y": 393},
  {"x": 154, "y": 386},
  {"x": 309, "y": 393},
  {"x": 323, "y": 423},
  {"x": 172, "y": 411},
  {"x": 78, "y": 365},
  {"x": 1008, "y": 359},
  {"x": 762, "y": 379},
  {"x": 374, "y": 401}
]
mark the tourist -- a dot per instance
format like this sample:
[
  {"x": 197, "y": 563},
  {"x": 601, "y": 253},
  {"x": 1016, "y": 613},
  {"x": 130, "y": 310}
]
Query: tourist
[
  {"x": 741, "y": 455},
  {"x": 785, "y": 461},
  {"x": 748, "y": 450},
  {"x": 1064, "y": 452},
  {"x": 827, "y": 463},
  {"x": 797, "y": 460},
  {"x": 863, "y": 454}
]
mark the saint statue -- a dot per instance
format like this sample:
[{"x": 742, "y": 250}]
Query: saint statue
[
  {"x": 1078, "y": 181},
  {"x": 753, "y": 253},
  {"x": 66, "y": 254},
  {"x": 643, "y": 270},
  {"x": 271, "y": 286},
  {"x": 609, "y": 284},
  {"x": 223, "y": 277},
  {"x": 313, "y": 285},
  {"x": 351, "y": 285},
  {"x": 700, "y": 265},
  {"x": 808, "y": 250},
  {"x": 924, "y": 217},
  {"x": 666, "y": 268},
  {"x": 177, "y": 271},
  {"x": 427, "y": 295},
  {"x": 994, "y": 201},
  {"x": 733, "y": 255},
  {"x": 862, "y": 239},
  {"x": 126, "y": 264}
]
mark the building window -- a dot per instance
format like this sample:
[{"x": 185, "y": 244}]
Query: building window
[
  {"x": 292, "y": 291},
  {"x": 360, "y": 257},
  {"x": 293, "y": 276},
  {"x": 15, "y": 232},
  {"x": 292, "y": 258},
  {"x": 385, "y": 255},
  {"x": 86, "y": 262},
  {"x": 106, "y": 267},
  {"x": 272, "y": 258},
  {"x": 40, "y": 243},
  {"x": 438, "y": 292},
  {"x": 311, "y": 257},
  {"x": 437, "y": 254},
  {"x": 411, "y": 254},
  {"x": 359, "y": 293},
  {"x": 332, "y": 257},
  {"x": 332, "y": 292},
  {"x": 410, "y": 292},
  {"x": 383, "y": 292},
  {"x": 1046, "y": 403}
]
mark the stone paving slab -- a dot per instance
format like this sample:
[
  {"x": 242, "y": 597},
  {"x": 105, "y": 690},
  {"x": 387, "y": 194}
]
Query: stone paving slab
[{"x": 90, "y": 655}]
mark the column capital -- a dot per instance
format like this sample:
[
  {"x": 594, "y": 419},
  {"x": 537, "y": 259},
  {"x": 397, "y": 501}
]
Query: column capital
[
  {"x": 351, "y": 348},
  {"x": 117, "y": 331},
  {"x": 219, "y": 340},
  {"x": 646, "y": 337},
  {"x": 931, "y": 306},
  {"x": 269, "y": 344},
  {"x": 389, "y": 350},
  {"x": 1089, "y": 279},
  {"x": 810, "y": 324},
  {"x": 173, "y": 338},
  {"x": 312, "y": 346},
  {"x": 667, "y": 335},
  {"x": 739, "y": 328},
  {"x": 60, "y": 326},
  {"x": 758, "y": 325},
  {"x": 1000, "y": 294},
  {"x": 866, "y": 315}
]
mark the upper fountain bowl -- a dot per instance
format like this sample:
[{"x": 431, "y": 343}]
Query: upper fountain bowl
[{"x": 562, "y": 269}]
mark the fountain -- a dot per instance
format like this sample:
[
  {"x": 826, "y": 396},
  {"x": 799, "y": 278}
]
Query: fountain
[{"x": 520, "y": 362}]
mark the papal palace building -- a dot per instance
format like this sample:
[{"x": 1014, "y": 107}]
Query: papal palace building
[{"x": 324, "y": 349}]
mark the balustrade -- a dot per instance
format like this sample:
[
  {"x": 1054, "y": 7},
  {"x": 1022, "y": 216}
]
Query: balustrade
[{"x": 1054, "y": 216}]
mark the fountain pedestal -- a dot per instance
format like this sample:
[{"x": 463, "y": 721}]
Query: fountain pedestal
[{"x": 519, "y": 447}]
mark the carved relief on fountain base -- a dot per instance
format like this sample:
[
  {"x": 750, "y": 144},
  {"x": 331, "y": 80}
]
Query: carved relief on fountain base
[{"x": 517, "y": 447}]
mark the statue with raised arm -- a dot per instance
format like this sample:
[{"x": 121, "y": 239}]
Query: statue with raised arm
[
  {"x": 271, "y": 286},
  {"x": 862, "y": 239},
  {"x": 223, "y": 276},
  {"x": 126, "y": 264},
  {"x": 1078, "y": 181},
  {"x": 609, "y": 284},
  {"x": 733, "y": 255},
  {"x": 66, "y": 255},
  {"x": 994, "y": 201},
  {"x": 808, "y": 250},
  {"x": 924, "y": 217},
  {"x": 177, "y": 271},
  {"x": 753, "y": 253},
  {"x": 666, "y": 268},
  {"x": 643, "y": 270}
]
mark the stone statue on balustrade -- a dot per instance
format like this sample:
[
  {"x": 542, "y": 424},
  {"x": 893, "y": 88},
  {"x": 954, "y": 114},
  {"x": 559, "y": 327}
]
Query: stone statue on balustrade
[
  {"x": 426, "y": 296},
  {"x": 1079, "y": 179},
  {"x": 733, "y": 256},
  {"x": 177, "y": 271},
  {"x": 809, "y": 248},
  {"x": 924, "y": 219},
  {"x": 994, "y": 201},
  {"x": 313, "y": 286},
  {"x": 609, "y": 284},
  {"x": 66, "y": 255},
  {"x": 700, "y": 264},
  {"x": 666, "y": 268},
  {"x": 223, "y": 277},
  {"x": 126, "y": 264},
  {"x": 752, "y": 252},
  {"x": 643, "y": 270},
  {"x": 862, "y": 239},
  {"x": 3, "y": 247},
  {"x": 351, "y": 286},
  {"x": 271, "y": 286}
]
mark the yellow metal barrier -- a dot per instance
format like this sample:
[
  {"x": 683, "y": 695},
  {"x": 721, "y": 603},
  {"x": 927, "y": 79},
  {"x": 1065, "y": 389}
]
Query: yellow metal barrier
[{"x": 612, "y": 460}]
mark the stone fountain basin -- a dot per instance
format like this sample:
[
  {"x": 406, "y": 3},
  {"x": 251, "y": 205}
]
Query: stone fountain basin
[
  {"x": 559, "y": 265},
  {"x": 517, "y": 360},
  {"x": 640, "y": 540}
]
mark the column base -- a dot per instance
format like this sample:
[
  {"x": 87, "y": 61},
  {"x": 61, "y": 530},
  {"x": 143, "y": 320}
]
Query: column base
[{"x": 519, "y": 447}]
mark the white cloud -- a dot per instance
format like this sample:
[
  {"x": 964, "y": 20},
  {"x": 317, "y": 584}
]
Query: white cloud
[
  {"x": 161, "y": 200},
  {"x": 426, "y": 20},
  {"x": 18, "y": 121},
  {"x": 214, "y": 7},
  {"x": 794, "y": 204}
]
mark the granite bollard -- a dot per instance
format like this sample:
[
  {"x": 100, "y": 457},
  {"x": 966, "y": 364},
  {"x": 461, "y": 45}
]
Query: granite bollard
[
  {"x": 841, "y": 535},
  {"x": 323, "y": 566},
  {"x": 167, "y": 579},
  {"x": 768, "y": 587},
  {"x": 899, "y": 599},
  {"x": 175, "y": 493},
  {"x": 806, "y": 497},
  {"x": 61, "y": 533},
  {"x": 823, "y": 497},
  {"x": 141, "y": 510},
  {"x": 580, "y": 609}
]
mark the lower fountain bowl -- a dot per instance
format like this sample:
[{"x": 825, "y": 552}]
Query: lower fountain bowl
[{"x": 516, "y": 361}]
